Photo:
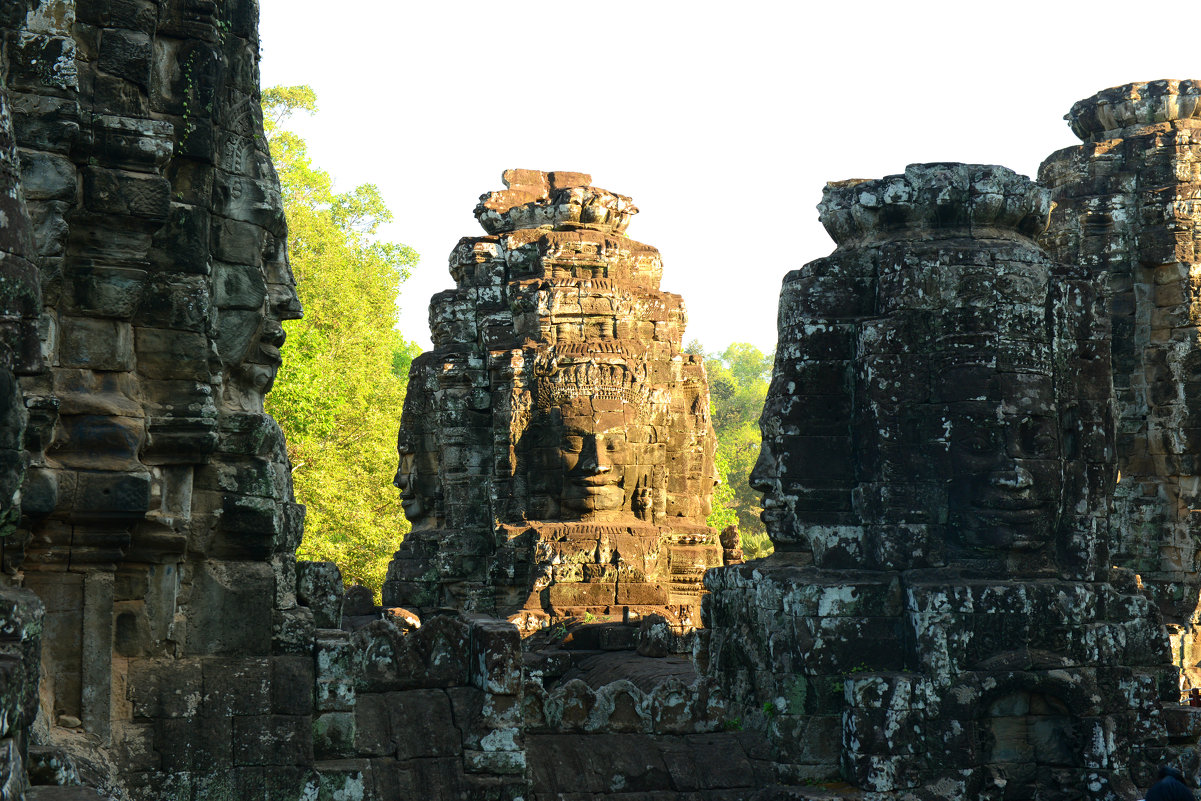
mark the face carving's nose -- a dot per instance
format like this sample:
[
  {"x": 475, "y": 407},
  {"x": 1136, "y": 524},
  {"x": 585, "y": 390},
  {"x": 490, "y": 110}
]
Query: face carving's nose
[
  {"x": 593, "y": 459},
  {"x": 1015, "y": 479},
  {"x": 763, "y": 474}
]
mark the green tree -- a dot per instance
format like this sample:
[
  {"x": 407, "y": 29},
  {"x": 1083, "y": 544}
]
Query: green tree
[
  {"x": 738, "y": 381},
  {"x": 338, "y": 394}
]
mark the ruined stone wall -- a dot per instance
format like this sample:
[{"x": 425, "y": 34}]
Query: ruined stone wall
[
  {"x": 940, "y": 615},
  {"x": 1127, "y": 206},
  {"x": 458, "y": 705},
  {"x": 556, "y": 449},
  {"x": 187, "y": 657}
]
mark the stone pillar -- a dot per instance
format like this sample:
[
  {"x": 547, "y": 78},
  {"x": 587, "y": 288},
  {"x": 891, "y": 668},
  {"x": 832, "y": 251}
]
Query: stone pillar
[
  {"x": 940, "y": 615},
  {"x": 556, "y": 454},
  {"x": 1128, "y": 204}
]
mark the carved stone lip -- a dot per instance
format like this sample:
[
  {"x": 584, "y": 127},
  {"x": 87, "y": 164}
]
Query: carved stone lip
[
  {"x": 594, "y": 484},
  {"x": 771, "y": 516},
  {"x": 270, "y": 353},
  {"x": 1012, "y": 513},
  {"x": 1009, "y": 499}
]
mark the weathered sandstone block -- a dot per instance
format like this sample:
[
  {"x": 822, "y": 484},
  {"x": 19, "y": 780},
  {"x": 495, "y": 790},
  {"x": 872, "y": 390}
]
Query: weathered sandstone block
[{"x": 155, "y": 521}]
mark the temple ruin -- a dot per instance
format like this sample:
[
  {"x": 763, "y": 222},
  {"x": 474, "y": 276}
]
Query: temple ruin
[{"x": 978, "y": 464}]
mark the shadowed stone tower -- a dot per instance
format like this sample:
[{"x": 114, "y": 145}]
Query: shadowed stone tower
[
  {"x": 1128, "y": 203},
  {"x": 556, "y": 454},
  {"x": 940, "y": 614},
  {"x": 157, "y": 522}
]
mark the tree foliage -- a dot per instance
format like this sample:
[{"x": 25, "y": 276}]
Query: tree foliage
[
  {"x": 337, "y": 396},
  {"x": 738, "y": 381}
]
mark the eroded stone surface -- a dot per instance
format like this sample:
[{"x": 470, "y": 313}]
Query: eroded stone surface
[
  {"x": 940, "y": 619},
  {"x": 556, "y": 455},
  {"x": 21, "y": 613}
]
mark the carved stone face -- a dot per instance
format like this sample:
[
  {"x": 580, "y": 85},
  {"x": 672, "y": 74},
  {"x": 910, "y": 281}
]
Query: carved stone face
[
  {"x": 769, "y": 475},
  {"x": 765, "y": 479},
  {"x": 584, "y": 465},
  {"x": 406, "y": 482},
  {"x": 417, "y": 468},
  {"x": 252, "y": 304},
  {"x": 1007, "y": 479},
  {"x": 417, "y": 480},
  {"x": 593, "y": 464}
]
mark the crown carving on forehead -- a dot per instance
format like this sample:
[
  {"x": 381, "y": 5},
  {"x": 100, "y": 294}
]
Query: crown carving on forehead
[{"x": 560, "y": 378}]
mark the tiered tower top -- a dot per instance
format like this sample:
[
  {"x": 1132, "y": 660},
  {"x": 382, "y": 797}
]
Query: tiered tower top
[
  {"x": 1105, "y": 114},
  {"x": 933, "y": 201}
]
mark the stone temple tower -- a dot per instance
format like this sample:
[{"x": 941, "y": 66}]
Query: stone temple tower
[
  {"x": 940, "y": 615},
  {"x": 556, "y": 454},
  {"x": 1128, "y": 203}
]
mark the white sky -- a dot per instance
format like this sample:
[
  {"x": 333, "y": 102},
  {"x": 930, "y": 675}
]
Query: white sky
[{"x": 722, "y": 120}]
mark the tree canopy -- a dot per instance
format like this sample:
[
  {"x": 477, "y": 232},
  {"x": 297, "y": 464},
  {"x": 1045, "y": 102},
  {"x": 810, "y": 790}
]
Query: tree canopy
[
  {"x": 738, "y": 381},
  {"x": 340, "y": 390}
]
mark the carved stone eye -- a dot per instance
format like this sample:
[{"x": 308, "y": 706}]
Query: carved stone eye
[
  {"x": 1037, "y": 438},
  {"x": 979, "y": 444}
]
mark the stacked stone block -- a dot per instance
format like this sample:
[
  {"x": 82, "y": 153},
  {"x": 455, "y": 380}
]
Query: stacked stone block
[
  {"x": 1127, "y": 206},
  {"x": 21, "y": 615},
  {"x": 940, "y": 618},
  {"x": 556, "y": 450}
]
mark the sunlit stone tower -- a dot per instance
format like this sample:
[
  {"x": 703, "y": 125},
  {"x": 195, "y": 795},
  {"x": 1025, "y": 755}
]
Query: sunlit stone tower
[
  {"x": 556, "y": 454},
  {"x": 1128, "y": 204}
]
